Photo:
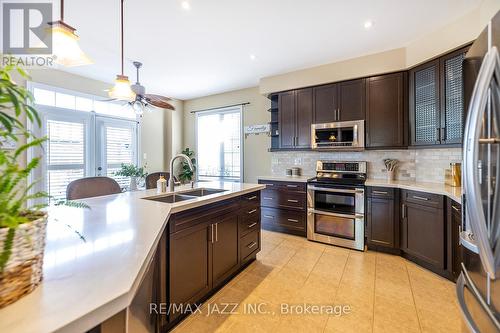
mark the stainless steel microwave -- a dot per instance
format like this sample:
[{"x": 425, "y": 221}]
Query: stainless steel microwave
[{"x": 340, "y": 135}]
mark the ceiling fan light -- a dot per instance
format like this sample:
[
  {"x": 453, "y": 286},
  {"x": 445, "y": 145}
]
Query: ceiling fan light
[
  {"x": 122, "y": 90},
  {"x": 66, "y": 50},
  {"x": 138, "y": 107}
]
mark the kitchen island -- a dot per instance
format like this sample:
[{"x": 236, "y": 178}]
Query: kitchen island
[{"x": 96, "y": 259}]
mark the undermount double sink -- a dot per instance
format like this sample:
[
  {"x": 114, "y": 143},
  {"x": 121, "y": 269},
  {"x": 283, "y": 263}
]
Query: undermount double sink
[{"x": 185, "y": 195}]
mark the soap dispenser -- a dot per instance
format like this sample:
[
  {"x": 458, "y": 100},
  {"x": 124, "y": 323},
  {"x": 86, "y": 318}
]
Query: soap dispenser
[{"x": 161, "y": 185}]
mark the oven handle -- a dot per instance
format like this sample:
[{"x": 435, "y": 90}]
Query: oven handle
[
  {"x": 337, "y": 190},
  {"x": 355, "y": 216}
]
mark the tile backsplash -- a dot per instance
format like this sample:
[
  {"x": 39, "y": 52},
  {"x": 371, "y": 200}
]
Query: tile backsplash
[{"x": 426, "y": 165}]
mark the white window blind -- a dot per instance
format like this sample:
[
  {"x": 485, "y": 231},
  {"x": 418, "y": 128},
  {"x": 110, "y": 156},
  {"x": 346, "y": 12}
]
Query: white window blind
[
  {"x": 119, "y": 145},
  {"x": 65, "y": 157},
  {"x": 219, "y": 144}
]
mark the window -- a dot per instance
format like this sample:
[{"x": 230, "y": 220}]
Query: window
[
  {"x": 83, "y": 139},
  {"x": 219, "y": 144}
]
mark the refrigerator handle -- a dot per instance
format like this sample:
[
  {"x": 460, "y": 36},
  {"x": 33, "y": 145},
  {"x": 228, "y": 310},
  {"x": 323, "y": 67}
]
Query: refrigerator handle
[
  {"x": 464, "y": 281},
  {"x": 476, "y": 216}
]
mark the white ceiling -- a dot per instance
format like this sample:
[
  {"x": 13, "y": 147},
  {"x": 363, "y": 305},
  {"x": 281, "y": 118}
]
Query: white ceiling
[{"x": 206, "y": 50}]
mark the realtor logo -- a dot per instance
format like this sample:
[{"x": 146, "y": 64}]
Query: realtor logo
[{"x": 25, "y": 29}]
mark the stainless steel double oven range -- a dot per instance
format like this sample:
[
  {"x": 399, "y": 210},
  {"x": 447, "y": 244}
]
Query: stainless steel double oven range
[{"x": 336, "y": 204}]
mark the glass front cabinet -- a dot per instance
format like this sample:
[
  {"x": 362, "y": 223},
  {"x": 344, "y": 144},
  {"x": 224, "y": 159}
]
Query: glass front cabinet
[{"x": 437, "y": 101}]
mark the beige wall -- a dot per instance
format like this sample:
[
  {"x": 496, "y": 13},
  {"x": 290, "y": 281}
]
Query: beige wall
[{"x": 256, "y": 158}]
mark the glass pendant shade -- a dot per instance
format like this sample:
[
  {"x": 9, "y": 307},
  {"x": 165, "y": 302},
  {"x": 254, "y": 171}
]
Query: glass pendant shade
[
  {"x": 138, "y": 107},
  {"x": 121, "y": 90},
  {"x": 66, "y": 50}
]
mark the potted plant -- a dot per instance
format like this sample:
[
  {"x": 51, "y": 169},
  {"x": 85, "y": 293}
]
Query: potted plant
[
  {"x": 132, "y": 171},
  {"x": 187, "y": 174}
]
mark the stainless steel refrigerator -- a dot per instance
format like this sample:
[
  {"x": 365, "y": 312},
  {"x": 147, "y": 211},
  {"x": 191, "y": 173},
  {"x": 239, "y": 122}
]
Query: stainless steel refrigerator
[{"x": 478, "y": 287}]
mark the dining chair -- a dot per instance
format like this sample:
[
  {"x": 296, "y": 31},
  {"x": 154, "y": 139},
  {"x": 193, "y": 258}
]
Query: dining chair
[{"x": 91, "y": 187}]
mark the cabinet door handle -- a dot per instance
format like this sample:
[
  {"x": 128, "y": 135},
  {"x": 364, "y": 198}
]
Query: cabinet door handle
[
  {"x": 338, "y": 114},
  {"x": 216, "y": 232},
  {"x": 292, "y": 186},
  {"x": 456, "y": 209},
  {"x": 269, "y": 184},
  {"x": 403, "y": 214},
  {"x": 212, "y": 233},
  {"x": 269, "y": 217},
  {"x": 293, "y": 220},
  {"x": 252, "y": 244},
  {"x": 252, "y": 198},
  {"x": 420, "y": 198},
  {"x": 380, "y": 192},
  {"x": 252, "y": 225},
  {"x": 252, "y": 211},
  {"x": 294, "y": 201},
  {"x": 267, "y": 198}
]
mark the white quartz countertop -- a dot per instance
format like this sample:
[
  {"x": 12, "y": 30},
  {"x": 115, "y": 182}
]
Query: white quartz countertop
[
  {"x": 454, "y": 193},
  {"x": 300, "y": 179},
  {"x": 87, "y": 281}
]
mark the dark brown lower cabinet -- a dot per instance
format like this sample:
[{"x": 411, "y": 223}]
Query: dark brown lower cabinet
[
  {"x": 382, "y": 219},
  {"x": 423, "y": 229},
  {"x": 190, "y": 265},
  {"x": 206, "y": 247},
  {"x": 284, "y": 207},
  {"x": 225, "y": 248}
]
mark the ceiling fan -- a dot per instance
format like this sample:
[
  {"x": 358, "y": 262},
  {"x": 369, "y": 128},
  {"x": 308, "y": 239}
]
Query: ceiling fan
[{"x": 143, "y": 100}]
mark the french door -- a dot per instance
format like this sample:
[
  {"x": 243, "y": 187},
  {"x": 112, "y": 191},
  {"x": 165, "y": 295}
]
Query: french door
[
  {"x": 82, "y": 144},
  {"x": 116, "y": 143}
]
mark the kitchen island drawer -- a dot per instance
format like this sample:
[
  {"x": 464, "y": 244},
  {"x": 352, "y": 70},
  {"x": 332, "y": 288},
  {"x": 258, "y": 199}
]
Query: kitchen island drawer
[
  {"x": 249, "y": 225},
  {"x": 283, "y": 199},
  {"x": 249, "y": 244},
  {"x": 290, "y": 221},
  {"x": 251, "y": 199},
  {"x": 250, "y": 213}
]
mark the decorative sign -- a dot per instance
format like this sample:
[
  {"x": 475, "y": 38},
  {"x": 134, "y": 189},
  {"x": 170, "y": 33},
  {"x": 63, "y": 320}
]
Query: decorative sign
[{"x": 257, "y": 129}]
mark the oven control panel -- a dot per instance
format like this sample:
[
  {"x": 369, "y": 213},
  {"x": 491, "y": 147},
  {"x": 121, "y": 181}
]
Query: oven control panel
[{"x": 336, "y": 166}]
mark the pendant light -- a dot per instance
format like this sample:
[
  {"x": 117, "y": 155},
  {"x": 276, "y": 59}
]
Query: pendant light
[
  {"x": 65, "y": 46},
  {"x": 122, "y": 90}
]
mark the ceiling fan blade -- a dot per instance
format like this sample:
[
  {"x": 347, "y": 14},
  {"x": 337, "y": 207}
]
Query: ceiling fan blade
[
  {"x": 161, "y": 105},
  {"x": 154, "y": 97}
]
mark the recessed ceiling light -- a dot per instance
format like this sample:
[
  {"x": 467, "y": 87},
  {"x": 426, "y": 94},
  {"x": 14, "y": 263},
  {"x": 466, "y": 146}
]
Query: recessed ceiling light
[
  {"x": 368, "y": 24},
  {"x": 253, "y": 57},
  {"x": 185, "y": 5}
]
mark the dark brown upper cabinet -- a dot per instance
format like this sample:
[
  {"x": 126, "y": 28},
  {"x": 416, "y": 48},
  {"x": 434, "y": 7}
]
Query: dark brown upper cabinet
[
  {"x": 385, "y": 111},
  {"x": 342, "y": 101},
  {"x": 295, "y": 118},
  {"x": 325, "y": 103},
  {"x": 436, "y": 107},
  {"x": 351, "y": 100}
]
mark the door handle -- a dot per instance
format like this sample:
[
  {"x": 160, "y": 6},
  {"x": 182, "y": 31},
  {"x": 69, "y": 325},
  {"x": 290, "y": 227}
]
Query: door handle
[
  {"x": 293, "y": 220},
  {"x": 212, "y": 233},
  {"x": 216, "y": 232},
  {"x": 292, "y": 186},
  {"x": 267, "y": 198},
  {"x": 420, "y": 198},
  {"x": 269, "y": 217},
  {"x": 252, "y": 225},
  {"x": 292, "y": 200},
  {"x": 403, "y": 213},
  {"x": 252, "y": 198},
  {"x": 252, "y": 211},
  {"x": 456, "y": 209}
]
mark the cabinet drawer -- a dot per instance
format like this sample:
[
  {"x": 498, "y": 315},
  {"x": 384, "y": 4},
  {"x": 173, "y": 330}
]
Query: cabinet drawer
[
  {"x": 250, "y": 212},
  {"x": 249, "y": 244},
  {"x": 251, "y": 198},
  {"x": 283, "y": 219},
  {"x": 423, "y": 198},
  {"x": 249, "y": 225},
  {"x": 290, "y": 186},
  {"x": 380, "y": 192},
  {"x": 283, "y": 199}
]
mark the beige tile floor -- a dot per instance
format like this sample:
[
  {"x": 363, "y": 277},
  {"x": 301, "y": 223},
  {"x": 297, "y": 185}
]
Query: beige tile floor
[{"x": 384, "y": 293}]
